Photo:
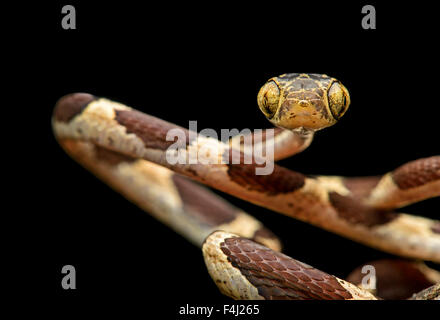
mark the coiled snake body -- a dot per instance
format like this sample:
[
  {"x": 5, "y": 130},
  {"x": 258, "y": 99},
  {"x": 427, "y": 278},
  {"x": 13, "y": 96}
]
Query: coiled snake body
[{"x": 128, "y": 150}]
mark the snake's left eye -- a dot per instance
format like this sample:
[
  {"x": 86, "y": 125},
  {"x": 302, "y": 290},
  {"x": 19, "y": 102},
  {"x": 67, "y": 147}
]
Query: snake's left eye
[
  {"x": 268, "y": 98},
  {"x": 338, "y": 100}
]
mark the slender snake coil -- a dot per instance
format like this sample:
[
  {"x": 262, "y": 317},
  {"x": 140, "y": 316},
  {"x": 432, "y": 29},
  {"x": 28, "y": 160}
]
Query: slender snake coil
[{"x": 127, "y": 149}]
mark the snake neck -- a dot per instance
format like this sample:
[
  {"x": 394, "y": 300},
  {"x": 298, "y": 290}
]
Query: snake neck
[{"x": 304, "y": 133}]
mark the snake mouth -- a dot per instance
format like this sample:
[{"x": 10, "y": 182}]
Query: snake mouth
[{"x": 292, "y": 115}]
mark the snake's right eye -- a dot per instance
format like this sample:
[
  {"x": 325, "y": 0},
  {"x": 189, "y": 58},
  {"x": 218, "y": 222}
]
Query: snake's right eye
[
  {"x": 268, "y": 98},
  {"x": 338, "y": 99}
]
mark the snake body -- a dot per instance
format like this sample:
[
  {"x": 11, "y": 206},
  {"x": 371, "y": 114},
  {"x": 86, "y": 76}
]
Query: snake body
[{"x": 128, "y": 150}]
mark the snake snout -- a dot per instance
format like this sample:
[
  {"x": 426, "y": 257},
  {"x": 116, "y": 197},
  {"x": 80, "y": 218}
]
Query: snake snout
[{"x": 304, "y": 103}]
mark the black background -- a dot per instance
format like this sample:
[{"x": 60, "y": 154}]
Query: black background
[{"x": 203, "y": 62}]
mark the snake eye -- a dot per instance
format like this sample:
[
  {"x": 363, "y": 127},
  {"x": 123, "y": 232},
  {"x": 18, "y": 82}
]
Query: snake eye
[
  {"x": 338, "y": 100},
  {"x": 268, "y": 98}
]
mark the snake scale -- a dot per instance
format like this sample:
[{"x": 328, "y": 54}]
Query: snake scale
[{"x": 127, "y": 149}]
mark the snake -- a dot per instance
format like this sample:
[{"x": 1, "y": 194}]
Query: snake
[{"x": 129, "y": 150}]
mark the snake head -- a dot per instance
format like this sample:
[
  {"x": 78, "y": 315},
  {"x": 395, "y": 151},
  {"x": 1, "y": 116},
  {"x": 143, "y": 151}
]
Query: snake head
[{"x": 310, "y": 101}]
